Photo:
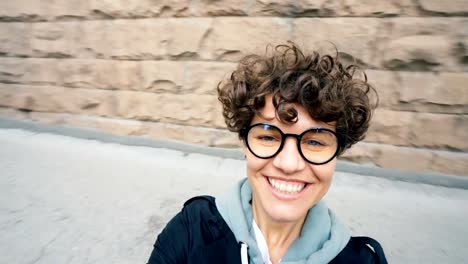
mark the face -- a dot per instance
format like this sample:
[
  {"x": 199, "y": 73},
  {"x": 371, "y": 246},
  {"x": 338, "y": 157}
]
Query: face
[{"x": 286, "y": 186}]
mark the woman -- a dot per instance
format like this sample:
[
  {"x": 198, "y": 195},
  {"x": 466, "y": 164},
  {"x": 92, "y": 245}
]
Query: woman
[{"x": 295, "y": 114}]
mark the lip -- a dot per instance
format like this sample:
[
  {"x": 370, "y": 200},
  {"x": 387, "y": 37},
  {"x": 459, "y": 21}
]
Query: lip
[{"x": 285, "y": 196}]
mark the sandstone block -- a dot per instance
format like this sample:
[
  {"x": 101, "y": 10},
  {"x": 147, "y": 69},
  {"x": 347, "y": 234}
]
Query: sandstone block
[
  {"x": 203, "y": 77},
  {"x": 75, "y": 73},
  {"x": 156, "y": 130},
  {"x": 60, "y": 72},
  {"x": 171, "y": 108},
  {"x": 456, "y": 91},
  {"x": 432, "y": 26},
  {"x": 52, "y": 119},
  {"x": 368, "y": 8},
  {"x": 439, "y": 131},
  {"x": 14, "y": 39},
  {"x": 390, "y": 127},
  {"x": 227, "y": 39},
  {"x": 21, "y": 9},
  {"x": 29, "y": 10},
  {"x": 409, "y": 8},
  {"x": 179, "y": 109},
  {"x": 361, "y": 152},
  {"x": 462, "y": 52},
  {"x": 102, "y": 74},
  {"x": 460, "y": 136},
  {"x": 187, "y": 35},
  {"x": 12, "y": 70},
  {"x": 63, "y": 10},
  {"x": 390, "y": 157},
  {"x": 181, "y": 133},
  {"x": 451, "y": 7},
  {"x": 217, "y": 116},
  {"x": 125, "y": 127},
  {"x": 385, "y": 83},
  {"x": 373, "y": 8},
  {"x": 124, "y": 39},
  {"x": 12, "y": 113},
  {"x": 138, "y": 8},
  {"x": 420, "y": 52},
  {"x": 450, "y": 162},
  {"x": 114, "y": 126},
  {"x": 221, "y": 8},
  {"x": 57, "y": 39},
  {"x": 191, "y": 134},
  {"x": 354, "y": 38},
  {"x": 120, "y": 39},
  {"x": 154, "y": 76},
  {"x": 402, "y": 158},
  {"x": 142, "y": 106},
  {"x": 441, "y": 89},
  {"x": 57, "y": 99},
  {"x": 162, "y": 76},
  {"x": 434, "y": 108},
  {"x": 69, "y": 73},
  {"x": 151, "y": 76},
  {"x": 460, "y": 27},
  {"x": 293, "y": 8},
  {"x": 407, "y": 158},
  {"x": 418, "y": 37},
  {"x": 226, "y": 139}
]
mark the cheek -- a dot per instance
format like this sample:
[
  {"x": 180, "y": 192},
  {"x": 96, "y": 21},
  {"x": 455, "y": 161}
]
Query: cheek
[
  {"x": 253, "y": 163},
  {"x": 324, "y": 172}
]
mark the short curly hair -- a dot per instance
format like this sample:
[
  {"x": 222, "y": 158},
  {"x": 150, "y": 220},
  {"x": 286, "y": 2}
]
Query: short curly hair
[{"x": 329, "y": 91}]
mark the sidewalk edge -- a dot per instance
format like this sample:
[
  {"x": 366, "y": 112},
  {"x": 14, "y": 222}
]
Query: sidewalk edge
[{"x": 432, "y": 178}]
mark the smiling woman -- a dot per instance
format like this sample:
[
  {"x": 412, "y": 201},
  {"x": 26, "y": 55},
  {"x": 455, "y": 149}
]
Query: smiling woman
[{"x": 295, "y": 114}]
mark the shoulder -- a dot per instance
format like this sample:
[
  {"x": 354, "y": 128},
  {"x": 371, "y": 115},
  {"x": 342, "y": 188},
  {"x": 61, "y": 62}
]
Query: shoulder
[
  {"x": 196, "y": 234},
  {"x": 200, "y": 204},
  {"x": 201, "y": 212},
  {"x": 361, "y": 250},
  {"x": 208, "y": 239},
  {"x": 201, "y": 219}
]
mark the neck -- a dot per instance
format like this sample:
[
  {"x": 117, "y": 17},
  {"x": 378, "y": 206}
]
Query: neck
[{"x": 279, "y": 235}]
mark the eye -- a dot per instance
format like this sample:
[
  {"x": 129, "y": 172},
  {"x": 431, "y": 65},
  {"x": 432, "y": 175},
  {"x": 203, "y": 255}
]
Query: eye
[
  {"x": 267, "y": 138},
  {"x": 312, "y": 142}
]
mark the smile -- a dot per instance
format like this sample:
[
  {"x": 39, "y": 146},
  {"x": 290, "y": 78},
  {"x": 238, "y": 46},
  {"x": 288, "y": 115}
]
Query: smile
[{"x": 286, "y": 187}]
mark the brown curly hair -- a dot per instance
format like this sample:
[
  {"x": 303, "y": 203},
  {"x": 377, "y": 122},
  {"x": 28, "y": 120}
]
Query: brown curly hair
[{"x": 328, "y": 91}]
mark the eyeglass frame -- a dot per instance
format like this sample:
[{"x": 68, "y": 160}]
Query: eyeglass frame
[{"x": 244, "y": 132}]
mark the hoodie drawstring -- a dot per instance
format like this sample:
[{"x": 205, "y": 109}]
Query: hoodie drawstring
[{"x": 244, "y": 256}]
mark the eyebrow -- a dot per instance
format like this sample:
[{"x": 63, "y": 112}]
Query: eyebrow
[
  {"x": 318, "y": 126},
  {"x": 327, "y": 125}
]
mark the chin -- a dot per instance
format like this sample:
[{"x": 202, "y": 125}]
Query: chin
[{"x": 287, "y": 213}]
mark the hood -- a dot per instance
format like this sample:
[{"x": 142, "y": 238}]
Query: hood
[{"x": 322, "y": 236}]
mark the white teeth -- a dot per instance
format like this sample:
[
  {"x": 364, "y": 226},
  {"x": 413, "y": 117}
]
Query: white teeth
[
  {"x": 282, "y": 186},
  {"x": 289, "y": 188}
]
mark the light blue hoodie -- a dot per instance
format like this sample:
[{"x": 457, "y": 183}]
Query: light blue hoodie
[{"x": 321, "y": 239}]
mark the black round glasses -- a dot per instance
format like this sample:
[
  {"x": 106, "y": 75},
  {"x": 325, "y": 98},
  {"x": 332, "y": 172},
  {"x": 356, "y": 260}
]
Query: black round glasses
[{"x": 316, "y": 145}]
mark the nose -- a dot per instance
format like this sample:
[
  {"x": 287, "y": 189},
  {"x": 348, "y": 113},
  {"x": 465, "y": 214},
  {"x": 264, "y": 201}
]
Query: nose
[{"x": 289, "y": 160}]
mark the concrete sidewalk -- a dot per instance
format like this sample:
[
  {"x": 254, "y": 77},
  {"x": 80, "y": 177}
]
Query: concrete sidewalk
[{"x": 70, "y": 200}]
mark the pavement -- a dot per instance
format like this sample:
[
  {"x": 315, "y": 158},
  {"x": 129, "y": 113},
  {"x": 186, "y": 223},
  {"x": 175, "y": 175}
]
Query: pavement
[{"x": 72, "y": 200}]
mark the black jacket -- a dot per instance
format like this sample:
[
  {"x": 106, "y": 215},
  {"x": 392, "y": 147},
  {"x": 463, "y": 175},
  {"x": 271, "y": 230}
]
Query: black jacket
[{"x": 199, "y": 234}]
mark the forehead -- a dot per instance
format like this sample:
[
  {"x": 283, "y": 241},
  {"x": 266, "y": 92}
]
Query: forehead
[{"x": 304, "y": 120}]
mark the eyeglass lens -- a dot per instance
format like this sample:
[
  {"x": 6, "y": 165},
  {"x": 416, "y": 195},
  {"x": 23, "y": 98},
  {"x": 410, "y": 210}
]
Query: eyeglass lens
[{"x": 317, "y": 145}]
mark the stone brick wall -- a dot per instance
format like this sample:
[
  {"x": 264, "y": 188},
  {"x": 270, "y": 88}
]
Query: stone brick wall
[{"x": 150, "y": 68}]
